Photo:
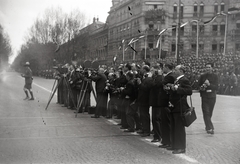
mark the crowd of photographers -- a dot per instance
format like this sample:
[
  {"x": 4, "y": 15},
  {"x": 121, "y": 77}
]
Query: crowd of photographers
[{"x": 127, "y": 92}]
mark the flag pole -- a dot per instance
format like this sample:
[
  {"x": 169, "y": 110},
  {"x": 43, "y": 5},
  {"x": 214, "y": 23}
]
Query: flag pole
[
  {"x": 160, "y": 46},
  {"x": 225, "y": 35},
  {"x": 178, "y": 36},
  {"x": 197, "y": 49},
  {"x": 123, "y": 51}
]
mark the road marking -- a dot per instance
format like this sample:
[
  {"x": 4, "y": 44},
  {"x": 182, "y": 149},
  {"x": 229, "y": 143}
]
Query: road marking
[
  {"x": 113, "y": 122},
  {"x": 43, "y": 88},
  {"x": 187, "y": 158},
  {"x": 182, "y": 156}
]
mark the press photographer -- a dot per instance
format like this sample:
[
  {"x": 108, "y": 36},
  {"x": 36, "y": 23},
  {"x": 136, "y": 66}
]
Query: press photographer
[{"x": 101, "y": 106}]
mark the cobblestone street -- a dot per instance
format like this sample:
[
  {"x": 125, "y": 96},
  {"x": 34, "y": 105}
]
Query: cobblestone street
[{"x": 31, "y": 134}]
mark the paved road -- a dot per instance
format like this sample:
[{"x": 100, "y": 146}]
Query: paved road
[{"x": 31, "y": 134}]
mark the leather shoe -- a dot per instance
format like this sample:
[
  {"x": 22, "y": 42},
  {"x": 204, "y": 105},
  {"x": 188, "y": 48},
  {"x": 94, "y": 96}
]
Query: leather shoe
[
  {"x": 140, "y": 132},
  {"x": 210, "y": 131},
  {"x": 94, "y": 116},
  {"x": 128, "y": 130},
  {"x": 169, "y": 148},
  {"x": 155, "y": 140},
  {"x": 78, "y": 111},
  {"x": 163, "y": 146},
  {"x": 178, "y": 151},
  {"x": 145, "y": 134}
]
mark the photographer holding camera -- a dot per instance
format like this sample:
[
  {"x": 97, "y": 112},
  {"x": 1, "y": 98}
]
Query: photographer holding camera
[
  {"x": 102, "y": 96},
  {"x": 208, "y": 83},
  {"x": 178, "y": 103}
]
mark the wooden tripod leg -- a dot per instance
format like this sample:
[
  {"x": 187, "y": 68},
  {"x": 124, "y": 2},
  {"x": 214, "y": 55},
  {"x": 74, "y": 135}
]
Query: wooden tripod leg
[
  {"x": 84, "y": 92},
  {"x": 53, "y": 94},
  {"x": 53, "y": 87},
  {"x": 80, "y": 95}
]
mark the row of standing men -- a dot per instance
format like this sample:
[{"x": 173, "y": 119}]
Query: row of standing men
[{"x": 133, "y": 91}]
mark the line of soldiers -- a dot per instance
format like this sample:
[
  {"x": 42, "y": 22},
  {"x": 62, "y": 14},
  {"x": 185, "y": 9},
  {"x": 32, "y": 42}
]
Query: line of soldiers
[{"x": 132, "y": 90}]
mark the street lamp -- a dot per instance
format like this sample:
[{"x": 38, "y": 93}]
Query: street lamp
[
  {"x": 226, "y": 26},
  {"x": 225, "y": 35}
]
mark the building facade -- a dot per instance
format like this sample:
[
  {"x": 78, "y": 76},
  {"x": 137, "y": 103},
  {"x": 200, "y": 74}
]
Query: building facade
[{"x": 144, "y": 19}]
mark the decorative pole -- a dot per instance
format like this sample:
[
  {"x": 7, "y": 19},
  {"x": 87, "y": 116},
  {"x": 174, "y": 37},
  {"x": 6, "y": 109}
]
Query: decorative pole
[{"x": 178, "y": 38}]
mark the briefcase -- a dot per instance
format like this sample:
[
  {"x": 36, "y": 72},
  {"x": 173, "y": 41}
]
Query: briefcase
[{"x": 189, "y": 116}]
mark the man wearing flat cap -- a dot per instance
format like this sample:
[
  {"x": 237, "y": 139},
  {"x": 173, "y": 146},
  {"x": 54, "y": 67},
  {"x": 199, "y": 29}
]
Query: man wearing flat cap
[{"x": 28, "y": 81}]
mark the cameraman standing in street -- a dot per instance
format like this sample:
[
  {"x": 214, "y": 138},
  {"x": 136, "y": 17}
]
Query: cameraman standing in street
[
  {"x": 102, "y": 96},
  {"x": 208, "y": 83}
]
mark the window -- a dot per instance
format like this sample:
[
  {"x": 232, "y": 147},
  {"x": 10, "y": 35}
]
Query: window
[
  {"x": 221, "y": 47},
  {"x": 222, "y": 6},
  {"x": 201, "y": 10},
  {"x": 194, "y": 47},
  {"x": 215, "y": 29},
  {"x": 214, "y": 47},
  {"x": 174, "y": 30},
  {"x": 150, "y": 45},
  {"x": 150, "y": 26},
  {"x": 181, "y": 10},
  {"x": 222, "y": 29},
  {"x": 195, "y": 8},
  {"x": 173, "y": 47},
  {"x": 175, "y": 9},
  {"x": 155, "y": 6},
  {"x": 182, "y": 31},
  {"x": 201, "y": 29},
  {"x": 216, "y": 8},
  {"x": 194, "y": 28},
  {"x": 201, "y": 46},
  {"x": 237, "y": 46},
  {"x": 238, "y": 25}
]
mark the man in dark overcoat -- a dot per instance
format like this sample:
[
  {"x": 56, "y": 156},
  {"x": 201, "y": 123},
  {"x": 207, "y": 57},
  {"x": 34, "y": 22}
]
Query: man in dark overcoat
[
  {"x": 178, "y": 105},
  {"x": 102, "y": 96}
]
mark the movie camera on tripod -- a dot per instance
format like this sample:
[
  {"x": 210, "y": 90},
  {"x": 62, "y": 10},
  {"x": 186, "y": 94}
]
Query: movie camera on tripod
[{"x": 89, "y": 69}]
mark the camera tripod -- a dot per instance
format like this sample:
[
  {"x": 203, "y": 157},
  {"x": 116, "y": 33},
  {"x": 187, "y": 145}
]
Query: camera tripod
[
  {"x": 55, "y": 87},
  {"x": 84, "y": 87}
]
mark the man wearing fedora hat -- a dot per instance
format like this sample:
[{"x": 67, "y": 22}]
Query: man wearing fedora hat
[{"x": 28, "y": 81}]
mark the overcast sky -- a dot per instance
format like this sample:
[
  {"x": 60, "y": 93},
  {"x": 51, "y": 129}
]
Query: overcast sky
[{"x": 17, "y": 16}]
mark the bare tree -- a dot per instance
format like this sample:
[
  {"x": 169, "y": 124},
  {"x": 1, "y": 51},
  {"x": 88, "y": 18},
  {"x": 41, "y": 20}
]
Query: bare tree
[{"x": 5, "y": 47}]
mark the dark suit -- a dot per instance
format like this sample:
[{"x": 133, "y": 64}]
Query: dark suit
[
  {"x": 143, "y": 102},
  {"x": 208, "y": 96},
  {"x": 178, "y": 100},
  {"x": 156, "y": 109},
  {"x": 163, "y": 100},
  {"x": 121, "y": 82},
  {"x": 101, "y": 107},
  {"x": 131, "y": 114}
]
